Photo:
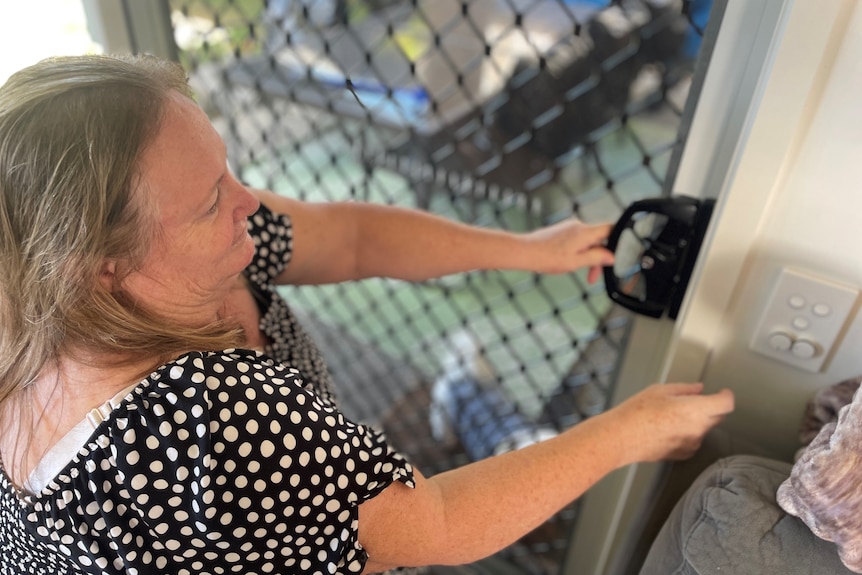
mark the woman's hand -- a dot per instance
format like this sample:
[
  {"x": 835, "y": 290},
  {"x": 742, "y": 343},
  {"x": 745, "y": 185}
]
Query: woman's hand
[
  {"x": 571, "y": 244},
  {"x": 668, "y": 421}
]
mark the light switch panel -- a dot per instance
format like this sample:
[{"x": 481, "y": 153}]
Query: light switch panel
[{"x": 803, "y": 318}]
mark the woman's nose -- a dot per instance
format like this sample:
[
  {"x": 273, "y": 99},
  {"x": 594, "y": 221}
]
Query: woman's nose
[
  {"x": 247, "y": 203},
  {"x": 251, "y": 201}
]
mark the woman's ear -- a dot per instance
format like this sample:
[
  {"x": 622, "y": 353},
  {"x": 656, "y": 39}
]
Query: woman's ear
[{"x": 108, "y": 274}]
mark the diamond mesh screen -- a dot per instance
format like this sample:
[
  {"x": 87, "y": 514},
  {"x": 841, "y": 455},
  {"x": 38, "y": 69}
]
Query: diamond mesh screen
[{"x": 502, "y": 113}]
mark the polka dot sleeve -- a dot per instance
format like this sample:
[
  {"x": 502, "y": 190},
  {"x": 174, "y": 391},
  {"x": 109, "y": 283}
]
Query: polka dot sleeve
[
  {"x": 273, "y": 241},
  {"x": 223, "y": 463}
]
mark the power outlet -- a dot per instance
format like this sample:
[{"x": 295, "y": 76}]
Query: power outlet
[{"x": 803, "y": 318}]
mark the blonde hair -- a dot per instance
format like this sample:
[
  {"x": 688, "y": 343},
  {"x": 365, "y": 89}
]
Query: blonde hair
[{"x": 72, "y": 131}]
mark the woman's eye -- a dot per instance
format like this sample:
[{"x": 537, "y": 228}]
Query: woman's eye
[{"x": 214, "y": 207}]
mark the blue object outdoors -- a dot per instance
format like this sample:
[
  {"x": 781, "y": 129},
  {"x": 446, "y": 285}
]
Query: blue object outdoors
[
  {"x": 487, "y": 422},
  {"x": 699, "y": 11}
]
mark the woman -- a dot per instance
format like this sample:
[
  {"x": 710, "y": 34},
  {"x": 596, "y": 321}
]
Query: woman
[{"x": 142, "y": 432}]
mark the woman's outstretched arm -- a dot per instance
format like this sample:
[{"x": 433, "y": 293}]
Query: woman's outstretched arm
[
  {"x": 340, "y": 241},
  {"x": 471, "y": 512}
]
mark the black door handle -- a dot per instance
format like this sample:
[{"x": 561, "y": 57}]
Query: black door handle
[{"x": 655, "y": 244}]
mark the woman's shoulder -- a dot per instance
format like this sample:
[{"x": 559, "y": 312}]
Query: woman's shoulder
[
  {"x": 213, "y": 370},
  {"x": 200, "y": 382},
  {"x": 224, "y": 402},
  {"x": 203, "y": 394},
  {"x": 219, "y": 385}
]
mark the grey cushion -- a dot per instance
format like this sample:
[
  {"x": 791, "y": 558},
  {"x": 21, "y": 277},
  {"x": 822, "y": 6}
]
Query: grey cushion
[{"x": 728, "y": 522}]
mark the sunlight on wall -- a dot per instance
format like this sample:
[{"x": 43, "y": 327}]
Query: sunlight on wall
[{"x": 36, "y": 29}]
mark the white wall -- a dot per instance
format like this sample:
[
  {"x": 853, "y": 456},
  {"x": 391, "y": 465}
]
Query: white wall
[{"x": 793, "y": 199}]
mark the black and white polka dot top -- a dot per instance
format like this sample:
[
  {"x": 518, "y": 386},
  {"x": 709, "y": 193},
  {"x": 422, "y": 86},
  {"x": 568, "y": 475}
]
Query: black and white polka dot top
[
  {"x": 289, "y": 343},
  {"x": 219, "y": 462}
]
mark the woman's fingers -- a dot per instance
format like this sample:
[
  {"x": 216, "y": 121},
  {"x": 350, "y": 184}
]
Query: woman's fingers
[{"x": 669, "y": 421}]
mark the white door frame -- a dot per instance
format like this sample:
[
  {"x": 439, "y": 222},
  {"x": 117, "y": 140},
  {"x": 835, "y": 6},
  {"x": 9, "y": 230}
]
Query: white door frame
[{"x": 132, "y": 27}]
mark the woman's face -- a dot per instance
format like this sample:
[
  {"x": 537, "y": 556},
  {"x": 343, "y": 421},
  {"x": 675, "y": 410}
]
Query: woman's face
[{"x": 202, "y": 244}]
